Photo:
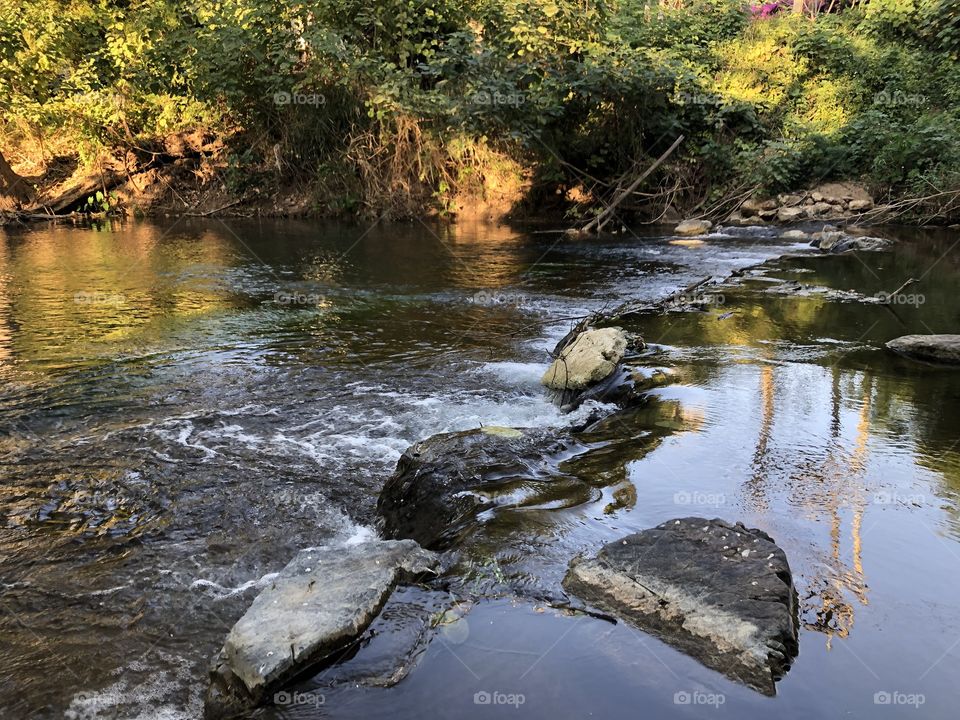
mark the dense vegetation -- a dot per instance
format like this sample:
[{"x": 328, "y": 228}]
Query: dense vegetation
[{"x": 398, "y": 105}]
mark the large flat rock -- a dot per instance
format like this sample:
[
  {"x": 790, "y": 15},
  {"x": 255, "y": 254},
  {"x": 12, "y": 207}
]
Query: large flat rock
[
  {"x": 444, "y": 483},
  {"x": 721, "y": 593},
  {"x": 321, "y": 601},
  {"x": 931, "y": 348}
]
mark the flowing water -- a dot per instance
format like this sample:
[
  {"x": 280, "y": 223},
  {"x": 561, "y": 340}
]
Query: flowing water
[{"x": 185, "y": 405}]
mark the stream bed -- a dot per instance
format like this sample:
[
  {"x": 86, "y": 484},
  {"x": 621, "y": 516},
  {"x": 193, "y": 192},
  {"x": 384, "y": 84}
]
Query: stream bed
[{"x": 186, "y": 404}]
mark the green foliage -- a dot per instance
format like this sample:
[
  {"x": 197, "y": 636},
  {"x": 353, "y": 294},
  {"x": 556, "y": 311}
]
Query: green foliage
[{"x": 399, "y": 96}]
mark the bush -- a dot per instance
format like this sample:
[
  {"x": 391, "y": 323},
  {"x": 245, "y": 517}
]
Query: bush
[{"x": 416, "y": 100}]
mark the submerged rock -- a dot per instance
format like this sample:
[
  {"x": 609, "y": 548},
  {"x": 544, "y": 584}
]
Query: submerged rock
[
  {"x": 693, "y": 227},
  {"x": 647, "y": 378},
  {"x": 721, "y": 593},
  {"x": 319, "y": 603},
  {"x": 931, "y": 348},
  {"x": 795, "y": 235},
  {"x": 443, "y": 483},
  {"x": 625, "y": 387}
]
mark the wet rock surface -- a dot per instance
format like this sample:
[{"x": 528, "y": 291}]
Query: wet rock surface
[
  {"x": 840, "y": 242},
  {"x": 719, "y": 592},
  {"x": 930, "y": 348},
  {"x": 443, "y": 483},
  {"x": 315, "y": 607}
]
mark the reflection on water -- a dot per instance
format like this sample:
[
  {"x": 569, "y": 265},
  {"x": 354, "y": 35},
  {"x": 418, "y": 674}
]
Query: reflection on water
[{"x": 185, "y": 405}]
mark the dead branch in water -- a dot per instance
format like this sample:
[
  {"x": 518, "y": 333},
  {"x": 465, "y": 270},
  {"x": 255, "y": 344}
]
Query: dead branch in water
[
  {"x": 628, "y": 308},
  {"x": 888, "y": 297}
]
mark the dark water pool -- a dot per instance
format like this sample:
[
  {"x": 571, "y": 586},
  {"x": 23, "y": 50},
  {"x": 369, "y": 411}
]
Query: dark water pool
[{"x": 185, "y": 405}]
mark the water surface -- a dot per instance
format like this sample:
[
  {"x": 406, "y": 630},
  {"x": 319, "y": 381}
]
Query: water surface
[{"x": 184, "y": 405}]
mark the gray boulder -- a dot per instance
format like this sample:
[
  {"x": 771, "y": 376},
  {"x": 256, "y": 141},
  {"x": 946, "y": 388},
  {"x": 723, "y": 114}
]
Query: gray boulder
[
  {"x": 317, "y": 605},
  {"x": 586, "y": 363},
  {"x": 443, "y": 483},
  {"x": 591, "y": 357},
  {"x": 930, "y": 348},
  {"x": 693, "y": 227},
  {"x": 839, "y": 242},
  {"x": 827, "y": 240},
  {"x": 721, "y": 593}
]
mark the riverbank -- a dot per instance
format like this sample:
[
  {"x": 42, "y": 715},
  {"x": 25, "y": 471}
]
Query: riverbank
[
  {"x": 536, "y": 108},
  {"x": 185, "y": 177}
]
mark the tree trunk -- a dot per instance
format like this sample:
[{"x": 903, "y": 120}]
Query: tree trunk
[
  {"x": 12, "y": 186},
  {"x": 799, "y": 6}
]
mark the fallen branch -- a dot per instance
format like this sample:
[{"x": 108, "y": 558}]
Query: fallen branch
[
  {"x": 628, "y": 308},
  {"x": 600, "y": 219},
  {"x": 900, "y": 208},
  {"x": 887, "y": 298},
  {"x": 208, "y": 213}
]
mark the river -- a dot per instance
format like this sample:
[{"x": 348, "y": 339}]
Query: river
[{"x": 186, "y": 403}]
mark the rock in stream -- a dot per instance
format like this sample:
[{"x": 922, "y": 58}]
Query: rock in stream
[
  {"x": 442, "y": 484},
  {"x": 592, "y": 356},
  {"x": 930, "y": 348},
  {"x": 317, "y": 605},
  {"x": 721, "y": 593}
]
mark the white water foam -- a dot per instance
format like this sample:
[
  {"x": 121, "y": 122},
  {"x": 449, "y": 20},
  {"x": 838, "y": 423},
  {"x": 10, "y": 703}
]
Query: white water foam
[{"x": 154, "y": 697}]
